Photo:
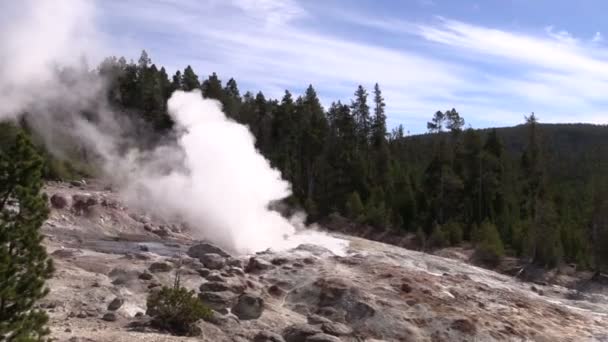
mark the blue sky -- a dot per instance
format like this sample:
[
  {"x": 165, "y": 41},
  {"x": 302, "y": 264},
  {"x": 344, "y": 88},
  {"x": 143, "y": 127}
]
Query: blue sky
[{"x": 493, "y": 60}]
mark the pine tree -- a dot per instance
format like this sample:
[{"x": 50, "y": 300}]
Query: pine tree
[
  {"x": 436, "y": 123},
  {"x": 360, "y": 110},
  {"x": 190, "y": 80},
  {"x": 24, "y": 265},
  {"x": 212, "y": 88}
]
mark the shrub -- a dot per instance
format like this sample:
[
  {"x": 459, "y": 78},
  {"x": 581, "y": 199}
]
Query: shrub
[
  {"x": 438, "y": 238},
  {"x": 176, "y": 310},
  {"x": 454, "y": 232},
  {"x": 489, "y": 250}
]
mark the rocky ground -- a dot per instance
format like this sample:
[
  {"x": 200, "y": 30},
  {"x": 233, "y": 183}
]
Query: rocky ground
[{"x": 109, "y": 257}]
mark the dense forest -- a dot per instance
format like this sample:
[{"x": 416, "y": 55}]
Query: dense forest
[{"x": 537, "y": 191}]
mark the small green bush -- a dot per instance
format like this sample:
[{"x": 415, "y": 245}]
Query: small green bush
[
  {"x": 489, "y": 250},
  {"x": 454, "y": 232},
  {"x": 437, "y": 239},
  {"x": 176, "y": 310}
]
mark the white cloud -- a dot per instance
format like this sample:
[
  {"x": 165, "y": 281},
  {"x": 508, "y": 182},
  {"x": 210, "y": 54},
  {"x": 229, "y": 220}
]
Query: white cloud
[{"x": 269, "y": 46}]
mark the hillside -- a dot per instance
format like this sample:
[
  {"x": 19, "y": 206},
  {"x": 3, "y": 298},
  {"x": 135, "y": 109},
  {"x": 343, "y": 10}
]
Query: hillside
[{"x": 109, "y": 257}]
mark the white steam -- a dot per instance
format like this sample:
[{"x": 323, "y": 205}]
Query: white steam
[{"x": 213, "y": 178}]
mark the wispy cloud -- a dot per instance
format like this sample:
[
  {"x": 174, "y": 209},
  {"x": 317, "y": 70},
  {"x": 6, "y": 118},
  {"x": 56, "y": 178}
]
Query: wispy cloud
[{"x": 493, "y": 76}]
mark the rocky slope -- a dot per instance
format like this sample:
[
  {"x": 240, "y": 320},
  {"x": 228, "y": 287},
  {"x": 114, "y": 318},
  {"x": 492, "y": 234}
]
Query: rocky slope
[{"x": 108, "y": 257}]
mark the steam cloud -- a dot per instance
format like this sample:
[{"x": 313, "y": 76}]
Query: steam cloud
[{"x": 214, "y": 179}]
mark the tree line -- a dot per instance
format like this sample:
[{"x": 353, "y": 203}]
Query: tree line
[{"x": 342, "y": 160}]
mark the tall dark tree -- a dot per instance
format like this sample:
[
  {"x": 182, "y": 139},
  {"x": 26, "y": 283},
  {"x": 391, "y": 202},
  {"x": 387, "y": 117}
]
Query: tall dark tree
[
  {"x": 436, "y": 123},
  {"x": 24, "y": 265},
  {"x": 190, "y": 80}
]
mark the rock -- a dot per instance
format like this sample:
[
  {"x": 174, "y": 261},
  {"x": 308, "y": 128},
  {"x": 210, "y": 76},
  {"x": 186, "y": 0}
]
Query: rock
[
  {"x": 81, "y": 202},
  {"x": 234, "y": 263},
  {"x": 68, "y": 330},
  {"x": 213, "y": 261},
  {"x": 465, "y": 326},
  {"x": 236, "y": 271},
  {"x": 279, "y": 261},
  {"x": 257, "y": 265},
  {"x": 275, "y": 291},
  {"x": 146, "y": 276},
  {"x": 214, "y": 286},
  {"x": 203, "y": 272},
  {"x": 82, "y": 314},
  {"x": 64, "y": 253},
  {"x": 115, "y": 304},
  {"x": 314, "y": 249},
  {"x": 299, "y": 332},
  {"x": 336, "y": 329},
  {"x": 144, "y": 248},
  {"x": 153, "y": 285},
  {"x": 218, "y": 301},
  {"x": 316, "y": 319},
  {"x": 158, "y": 267},
  {"x": 309, "y": 261},
  {"x": 110, "y": 317},
  {"x": 267, "y": 336},
  {"x": 59, "y": 201},
  {"x": 248, "y": 307},
  {"x": 139, "y": 314},
  {"x": 322, "y": 338},
  {"x": 201, "y": 249},
  {"x": 405, "y": 287},
  {"x": 360, "y": 311},
  {"x": 215, "y": 276}
]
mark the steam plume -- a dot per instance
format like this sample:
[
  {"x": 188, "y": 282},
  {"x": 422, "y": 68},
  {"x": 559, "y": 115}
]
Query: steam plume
[{"x": 213, "y": 179}]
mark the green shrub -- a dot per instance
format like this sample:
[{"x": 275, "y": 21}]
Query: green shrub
[
  {"x": 489, "y": 250},
  {"x": 176, "y": 310},
  {"x": 354, "y": 208},
  {"x": 437, "y": 239},
  {"x": 454, "y": 232}
]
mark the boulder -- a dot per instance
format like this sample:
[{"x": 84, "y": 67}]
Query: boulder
[
  {"x": 81, "y": 202},
  {"x": 299, "y": 332},
  {"x": 336, "y": 329},
  {"x": 214, "y": 286},
  {"x": 248, "y": 307},
  {"x": 316, "y": 319},
  {"x": 115, "y": 304},
  {"x": 215, "y": 276},
  {"x": 322, "y": 338},
  {"x": 110, "y": 317},
  {"x": 146, "y": 276},
  {"x": 267, "y": 336},
  {"x": 213, "y": 261},
  {"x": 158, "y": 267},
  {"x": 201, "y": 249},
  {"x": 203, "y": 272},
  {"x": 279, "y": 261},
  {"x": 257, "y": 265},
  {"x": 218, "y": 301},
  {"x": 59, "y": 201}
]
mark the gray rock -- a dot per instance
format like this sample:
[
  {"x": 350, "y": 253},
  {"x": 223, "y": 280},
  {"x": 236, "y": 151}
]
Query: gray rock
[
  {"x": 81, "y": 202},
  {"x": 236, "y": 271},
  {"x": 279, "y": 261},
  {"x": 144, "y": 248},
  {"x": 201, "y": 249},
  {"x": 322, "y": 338},
  {"x": 59, "y": 201},
  {"x": 314, "y": 249},
  {"x": 248, "y": 307},
  {"x": 267, "y": 336},
  {"x": 110, "y": 317},
  {"x": 234, "y": 262},
  {"x": 64, "y": 253},
  {"x": 360, "y": 311},
  {"x": 203, "y": 272},
  {"x": 299, "y": 332},
  {"x": 316, "y": 319},
  {"x": 214, "y": 286},
  {"x": 158, "y": 267},
  {"x": 213, "y": 261},
  {"x": 257, "y": 265},
  {"x": 215, "y": 276},
  {"x": 218, "y": 301},
  {"x": 336, "y": 329},
  {"x": 146, "y": 276},
  {"x": 82, "y": 314},
  {"x": 115, "y": 304}
]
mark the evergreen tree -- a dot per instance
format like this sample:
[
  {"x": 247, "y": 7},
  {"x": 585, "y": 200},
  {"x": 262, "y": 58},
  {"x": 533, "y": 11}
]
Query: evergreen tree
[
  {"x": 436, "y": 123},
  {"x": 190, "y": 80},
  {"x": 212, "y": 88},
  {"x": 360, "y": 110},
  {"x": 24, "y": 265}
]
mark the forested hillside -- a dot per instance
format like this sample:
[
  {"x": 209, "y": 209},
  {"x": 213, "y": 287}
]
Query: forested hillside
[{"x": 536, "y": 190}]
